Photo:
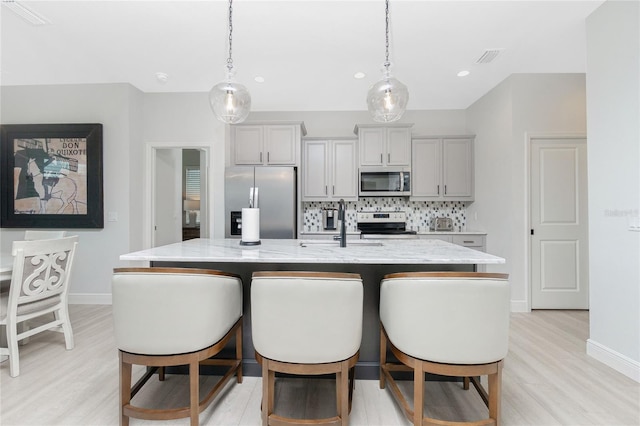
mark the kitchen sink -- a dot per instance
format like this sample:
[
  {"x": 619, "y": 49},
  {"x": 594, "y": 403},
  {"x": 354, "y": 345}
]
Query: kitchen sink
[{"x": 325, "y": 243}]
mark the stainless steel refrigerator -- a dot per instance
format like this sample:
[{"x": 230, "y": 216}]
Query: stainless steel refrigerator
[{"x": 277, "y": 200}]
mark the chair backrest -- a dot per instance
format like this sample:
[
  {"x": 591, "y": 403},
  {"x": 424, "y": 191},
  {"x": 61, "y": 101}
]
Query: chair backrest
[
  {"x": 41, "y": 270},
  {"x": 447, "y": 317},
  {"x": 306, "y": 317},
  {"x": 160, "y": 311},
  {"x": 31, "y": 235}
]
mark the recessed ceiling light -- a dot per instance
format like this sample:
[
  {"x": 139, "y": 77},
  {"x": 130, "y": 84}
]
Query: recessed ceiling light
[
  {"x": 259, "y": 79},
  {"x": 359, "y": 75},
  {"x": 463, "y": 73},
  {"x": 162, "y": 77}
]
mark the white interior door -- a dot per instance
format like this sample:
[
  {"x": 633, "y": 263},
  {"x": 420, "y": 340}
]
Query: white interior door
[
  {"x": 559, "y": 228},
  {"x": 167, "y": 197}
]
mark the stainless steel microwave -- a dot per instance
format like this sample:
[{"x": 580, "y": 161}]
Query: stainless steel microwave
[{"x": 384, "y": 182}]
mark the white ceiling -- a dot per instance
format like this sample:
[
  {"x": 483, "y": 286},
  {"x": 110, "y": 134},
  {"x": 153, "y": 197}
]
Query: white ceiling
[{"x": 307, "y": 51}]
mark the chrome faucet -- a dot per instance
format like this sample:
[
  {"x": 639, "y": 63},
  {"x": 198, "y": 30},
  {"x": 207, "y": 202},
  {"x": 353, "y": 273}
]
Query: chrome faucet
[{"x": 342, "y": 215}]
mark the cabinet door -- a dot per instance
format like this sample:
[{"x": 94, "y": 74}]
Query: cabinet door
[
  {"x": 371, "y": 141},
  {"x": 315, "y": 185},
  {"x": 425, "y": 169},
  {"x": 344, "y": 170},
  {"x": 247, "y": 145},
  {"x": 280, "y": 144},
  {"x": 457, "y": 159},
  {"x": 475, "y": 242},
  {"x": 398, "y": 146}
]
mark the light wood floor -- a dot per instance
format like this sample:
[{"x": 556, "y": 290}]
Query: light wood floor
[{"x": 548, "y": 380}]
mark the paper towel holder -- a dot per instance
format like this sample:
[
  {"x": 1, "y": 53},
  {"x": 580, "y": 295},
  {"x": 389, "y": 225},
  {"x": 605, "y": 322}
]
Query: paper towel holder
[{"x": 256, "y": 241}]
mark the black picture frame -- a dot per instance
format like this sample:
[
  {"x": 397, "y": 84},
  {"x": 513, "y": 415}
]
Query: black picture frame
[{"x": 41, "y": 166}]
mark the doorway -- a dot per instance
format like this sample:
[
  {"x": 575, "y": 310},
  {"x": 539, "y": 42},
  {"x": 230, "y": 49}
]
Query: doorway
[
  {"x": 179, "y": 202},
  {"x": 558, "y": 254}
]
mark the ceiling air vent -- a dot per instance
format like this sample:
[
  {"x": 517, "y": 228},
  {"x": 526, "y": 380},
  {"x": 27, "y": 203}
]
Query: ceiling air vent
[
  {"x": 24, "y": 12},
  {"x": 488, "y": 56}
]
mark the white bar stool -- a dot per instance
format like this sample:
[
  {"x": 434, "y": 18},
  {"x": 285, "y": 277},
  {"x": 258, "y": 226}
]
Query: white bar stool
[
  {"x": 447, "y": 323},
  {"x": 306, "y": 323},
  {"x": 175, "y": 316}
]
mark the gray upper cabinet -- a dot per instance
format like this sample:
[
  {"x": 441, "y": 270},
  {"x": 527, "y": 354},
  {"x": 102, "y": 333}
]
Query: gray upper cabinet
[
  {"x": 266, "y": 144},
  {"x": 388, "y": 145},
  {"x": 329, "y": 169},
  {"x": 442, "y": 168}
]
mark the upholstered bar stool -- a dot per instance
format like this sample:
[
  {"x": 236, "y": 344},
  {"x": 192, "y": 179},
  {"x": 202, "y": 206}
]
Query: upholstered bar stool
[
  {"x": 306, "y": 323},
  {"x": 175, "y": 316},
  {"x": 446, "y": 323}
]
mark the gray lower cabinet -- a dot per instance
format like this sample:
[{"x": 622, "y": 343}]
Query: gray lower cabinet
[
  {"x": 474, "y": 241},
  {"x": 446, "y": 238}
]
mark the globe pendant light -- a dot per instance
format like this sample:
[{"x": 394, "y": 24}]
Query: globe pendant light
[
  {"x": 387, "y": 99},
  {"x": 230, "y": 101}
]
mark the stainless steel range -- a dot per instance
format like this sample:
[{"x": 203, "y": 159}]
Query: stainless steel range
[{"x": 384, "y": 225}]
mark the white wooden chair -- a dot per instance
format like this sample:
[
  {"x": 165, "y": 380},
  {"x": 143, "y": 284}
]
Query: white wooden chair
[
  {"x": 39, "y": 286},
  {"x": 447, "y": 323},
  {"x": 31, "y": 235},
  {"x": 306, "y": 323},
  {"x": 175, "y": 316}
]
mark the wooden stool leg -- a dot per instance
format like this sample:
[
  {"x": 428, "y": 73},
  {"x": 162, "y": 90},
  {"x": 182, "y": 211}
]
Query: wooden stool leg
[
  {"x": 125, "y": 389},
  {"x": 344, "y": 385},
  {"x": 383, "y": 356},
  {"x": 194, "y": 392},
  {"x": 239, "y": 353},
  {"x": 161, "y": 374},
  {"x": 495, "y": 391},
  {"x": 418, "y": 393},
  {"x": 465, "y": 383},
  {"x": 352, "y": 381},
  {"x": 268, "y": 385}
]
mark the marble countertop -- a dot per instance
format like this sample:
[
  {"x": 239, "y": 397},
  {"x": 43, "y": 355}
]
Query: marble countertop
[
  {"x": 316, "y": 251},
  {"x": 418, "y": 233}
]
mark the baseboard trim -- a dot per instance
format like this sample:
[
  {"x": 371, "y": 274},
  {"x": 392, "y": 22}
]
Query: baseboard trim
[
  {"x": 613, "y": 359},
  {"x": 519, "y": 306},
  {"x": 90, "y": 299}
]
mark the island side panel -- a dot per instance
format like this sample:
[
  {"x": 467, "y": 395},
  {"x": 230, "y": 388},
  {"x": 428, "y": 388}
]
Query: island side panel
[{"x": 369, "y": 361}]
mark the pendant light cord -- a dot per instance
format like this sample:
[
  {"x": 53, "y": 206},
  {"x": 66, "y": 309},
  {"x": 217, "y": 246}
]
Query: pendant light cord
[
  {"x": 229, "y": 59},
  {"x": 386, "y": 62}
]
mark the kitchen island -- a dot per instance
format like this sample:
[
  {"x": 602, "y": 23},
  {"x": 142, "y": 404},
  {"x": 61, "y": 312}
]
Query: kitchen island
[{"x": 371, "y": 259}]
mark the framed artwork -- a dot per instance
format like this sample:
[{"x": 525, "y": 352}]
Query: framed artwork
[{"x": 51, "y": 176}]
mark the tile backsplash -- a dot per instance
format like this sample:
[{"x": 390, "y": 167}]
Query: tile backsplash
[{"x": 419, "y": 213}]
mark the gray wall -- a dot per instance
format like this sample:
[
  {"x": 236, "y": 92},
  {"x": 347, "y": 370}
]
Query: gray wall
[
  {"x": 342, "y": 123},
  {"x": 117, "y": 107},
  {"x": 521, "y": 106},
  {"x": 185, "y": 120},
  {"x": 613, "y": 58}
]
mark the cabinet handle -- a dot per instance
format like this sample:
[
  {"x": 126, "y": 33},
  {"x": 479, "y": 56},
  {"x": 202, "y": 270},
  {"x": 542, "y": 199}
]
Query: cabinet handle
[
  {"x": 268, "y": 156},
  {"x": 325, "y": 190},
  {"x": 380, "y": 158},
  {"x": 438, "y": 189},
  {"x": 333, "y": 190},
  {"x": 389, "y": 157},
  {"x": 467, "y": 242},
  {"x": 261, "y": 157},
  {"x": 445, "y": 190}
]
